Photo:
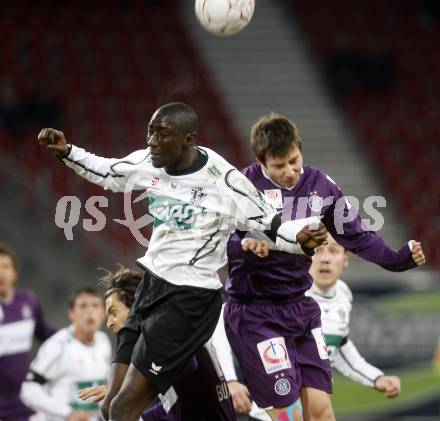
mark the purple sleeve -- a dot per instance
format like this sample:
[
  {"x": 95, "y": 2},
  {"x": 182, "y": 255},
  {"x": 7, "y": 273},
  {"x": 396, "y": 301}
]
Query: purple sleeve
[
  {"x": 43, "y": 329},
  {"x": 346, "y": 227}
]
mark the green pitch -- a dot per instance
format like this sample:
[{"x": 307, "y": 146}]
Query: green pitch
[
  {"x": 419, "y": 302},
  {"x": 417, "y": 385}
]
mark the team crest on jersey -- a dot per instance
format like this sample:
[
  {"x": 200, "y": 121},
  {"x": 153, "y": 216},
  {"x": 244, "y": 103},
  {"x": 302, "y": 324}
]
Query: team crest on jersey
[
  {"x": 273, "y": 354},
  {"x": 274, "y": 197},
  {"x": 315, "y": 202},
  {"x": 282, "y": 387},
  {"x": 26, "y": 312},
  {"x": 198, "y": 195}
]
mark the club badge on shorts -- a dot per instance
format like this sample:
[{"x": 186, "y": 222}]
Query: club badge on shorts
[{"x": 282, "y": 387}]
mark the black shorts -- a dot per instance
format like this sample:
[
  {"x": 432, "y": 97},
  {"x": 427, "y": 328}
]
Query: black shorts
[{"x": 166, "y": 325}]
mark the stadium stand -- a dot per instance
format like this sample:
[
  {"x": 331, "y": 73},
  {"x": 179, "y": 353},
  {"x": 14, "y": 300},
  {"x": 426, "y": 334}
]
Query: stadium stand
[
  {"x": 97, "y": 71},
  {"x": 397, "y": 121}
]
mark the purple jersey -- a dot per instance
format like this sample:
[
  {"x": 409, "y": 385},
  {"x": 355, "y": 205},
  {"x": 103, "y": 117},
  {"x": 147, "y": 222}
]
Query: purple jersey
[
  {"x": 20, "y": 318},
  {"x": 202, "y": 395},
  {"x": 283, "y": 275}
]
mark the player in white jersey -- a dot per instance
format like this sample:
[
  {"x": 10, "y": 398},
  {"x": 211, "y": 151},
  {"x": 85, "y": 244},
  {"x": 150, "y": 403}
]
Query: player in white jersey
[
  {"x": 335, "y": 300},
  {"x": 75, "y": 357},
  {"x": 197, "y": 199}
]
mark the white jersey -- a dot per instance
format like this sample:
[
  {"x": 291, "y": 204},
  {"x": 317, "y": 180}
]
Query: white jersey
[
  {"x": 336, "y": 304},
  {"x": 62, "y": 367},
  {"x": 194, "y": 213}
]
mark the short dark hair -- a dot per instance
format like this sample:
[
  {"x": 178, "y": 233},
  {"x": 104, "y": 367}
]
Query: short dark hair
[
  {"x": 87, "y": 289},
  {"x": 7, "y": 251},
  {"x": 124, "y": 282},
  {"x": 182, "y": 114},
  {"x": 275, "y": 135}
]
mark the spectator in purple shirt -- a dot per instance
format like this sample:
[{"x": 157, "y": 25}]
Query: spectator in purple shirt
[{"x": 21, "y": 318}]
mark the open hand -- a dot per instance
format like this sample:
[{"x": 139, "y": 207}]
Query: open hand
[
  {"x": 240, "y": 397},
  {"x": 97, "y": 393}
]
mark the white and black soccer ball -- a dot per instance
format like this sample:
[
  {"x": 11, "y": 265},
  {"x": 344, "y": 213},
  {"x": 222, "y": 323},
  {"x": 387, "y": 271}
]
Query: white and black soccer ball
[{"x": 224, "y": 17}]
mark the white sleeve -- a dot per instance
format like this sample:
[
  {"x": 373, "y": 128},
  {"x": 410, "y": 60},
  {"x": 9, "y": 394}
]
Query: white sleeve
[
  {"x": 45, "y": 368},
  {"x": 351, "y": 364},
  {"x": 252, "y": 211},
  {"x": 223, "y": 350},
  {"x": 109, "y": 173},
  {"x": 34, "y": 396}
]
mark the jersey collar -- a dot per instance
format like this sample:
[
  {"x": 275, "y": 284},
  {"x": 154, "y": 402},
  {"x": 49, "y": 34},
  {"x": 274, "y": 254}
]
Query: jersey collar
[{"x": 326, "y": 293}]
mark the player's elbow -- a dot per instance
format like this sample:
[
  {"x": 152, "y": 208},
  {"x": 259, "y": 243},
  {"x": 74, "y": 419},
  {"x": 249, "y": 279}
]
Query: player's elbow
[{"x": 26, "y": 392}]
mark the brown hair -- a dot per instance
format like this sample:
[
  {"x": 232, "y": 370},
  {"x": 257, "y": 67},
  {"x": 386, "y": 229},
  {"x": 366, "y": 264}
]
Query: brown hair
[
  {"x": 88, "y": 289},
  {"x": 124, "y": 282},
  {"x": 7, "y": 251},
  {"x": 274, "y": 134}
]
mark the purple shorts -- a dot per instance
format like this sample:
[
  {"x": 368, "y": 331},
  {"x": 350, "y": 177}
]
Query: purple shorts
[{"x": 280, "y": 348}]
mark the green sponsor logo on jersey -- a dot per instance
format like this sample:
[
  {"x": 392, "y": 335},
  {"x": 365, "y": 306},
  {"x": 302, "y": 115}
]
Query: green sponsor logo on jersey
[
  {"x": 214, "y": 171},
  {"x": 176, "y": 214}
]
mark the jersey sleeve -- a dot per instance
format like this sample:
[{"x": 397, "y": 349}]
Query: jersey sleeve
[
  {"x": 250, "y": 210},
  {"x": 351, "y": 364},
  {"x": 110, "y": 173},
  {"x": 223, "y": 350},
  {"x": 345, "y": 225},
  {"x": 45, "y": 368},
  {"x": 48, "y": 363}
]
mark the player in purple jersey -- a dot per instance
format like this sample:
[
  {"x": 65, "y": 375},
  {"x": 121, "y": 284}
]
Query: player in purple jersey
[
  {"x": 274, "y": 330},
  {"x": 200, "y": 395},
  {"x": 21, "y": 319}
]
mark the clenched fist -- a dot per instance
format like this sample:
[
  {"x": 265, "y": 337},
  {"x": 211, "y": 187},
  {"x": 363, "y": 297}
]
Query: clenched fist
[{"x": 54, "y": 140}]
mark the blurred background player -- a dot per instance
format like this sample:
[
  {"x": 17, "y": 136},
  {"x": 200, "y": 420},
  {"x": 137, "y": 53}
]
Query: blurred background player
[
  {"x": 77, "y": 356},
  {"x": 21, "y": 318},
  {"x": 335, "y": 300},
  {"x": 200, "y": 395},
  {"x": 284, "y": 356}
]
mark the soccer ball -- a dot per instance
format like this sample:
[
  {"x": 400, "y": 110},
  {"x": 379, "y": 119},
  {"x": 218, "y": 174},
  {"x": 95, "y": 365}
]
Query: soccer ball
[{"x": 224, "y": 17}]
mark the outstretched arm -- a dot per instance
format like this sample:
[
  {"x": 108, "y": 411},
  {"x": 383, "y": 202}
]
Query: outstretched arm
[
  {"x": 110, "y": 173},
  {"x": 346, "y": 227}
]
